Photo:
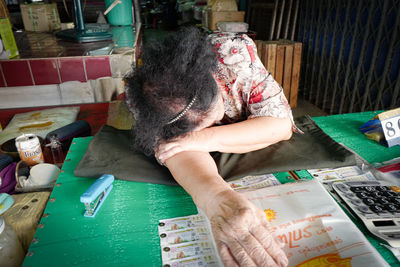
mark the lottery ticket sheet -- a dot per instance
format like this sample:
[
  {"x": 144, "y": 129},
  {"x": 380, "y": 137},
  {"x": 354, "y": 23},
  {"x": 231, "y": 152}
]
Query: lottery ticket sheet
[
  {"x": 349, "y": 173},
  {"x": 254, "y": 182},
  {"x": 187, "y": 241}
]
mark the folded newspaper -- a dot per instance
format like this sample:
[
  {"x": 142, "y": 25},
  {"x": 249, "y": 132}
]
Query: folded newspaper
[{"x": 304, "y": 216}]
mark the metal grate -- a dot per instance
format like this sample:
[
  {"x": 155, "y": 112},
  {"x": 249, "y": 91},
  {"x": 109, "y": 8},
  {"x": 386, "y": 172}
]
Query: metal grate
[
  {"x": 273, "y": 19},
  {"x": 351, "y": 54}
]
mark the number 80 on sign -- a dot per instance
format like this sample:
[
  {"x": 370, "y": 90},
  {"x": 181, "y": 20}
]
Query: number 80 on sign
[{"x": 391, "y": 130}]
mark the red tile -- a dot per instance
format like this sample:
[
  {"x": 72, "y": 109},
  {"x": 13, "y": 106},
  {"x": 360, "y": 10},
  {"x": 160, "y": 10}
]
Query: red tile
[
  {"x": 97, "y": 67},
  {"x": 17, "y": 72},
  {"x": 44, "y": 71},
  {"x": 71, "y": 69}
]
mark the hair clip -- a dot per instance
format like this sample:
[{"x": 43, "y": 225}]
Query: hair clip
[{"x": 180, "y": 115}]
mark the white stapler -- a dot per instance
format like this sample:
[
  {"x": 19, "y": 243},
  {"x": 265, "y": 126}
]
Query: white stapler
[{"x": 94, "y": 197}]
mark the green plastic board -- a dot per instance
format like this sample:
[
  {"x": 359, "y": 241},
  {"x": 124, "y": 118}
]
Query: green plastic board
[
  {"x": 124, "y": 231},
  {"x": 343, "y": 128}
]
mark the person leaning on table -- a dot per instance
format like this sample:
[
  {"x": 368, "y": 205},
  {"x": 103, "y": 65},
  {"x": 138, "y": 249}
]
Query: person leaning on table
[{"x": 194, "y": 94}]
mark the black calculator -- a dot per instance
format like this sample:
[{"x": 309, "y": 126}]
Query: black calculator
[{"x": 376, "y": 204}]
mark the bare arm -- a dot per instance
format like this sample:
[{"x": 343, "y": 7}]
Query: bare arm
[
  {"x": 240, "y": 229},
  {"x": 248, "y": 135},
  {"x": 241, "y": 137},
  {"x": 202, "y": 175}
]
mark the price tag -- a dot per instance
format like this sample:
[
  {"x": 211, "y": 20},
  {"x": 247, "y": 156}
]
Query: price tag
[{"x": 390, "y": 121}]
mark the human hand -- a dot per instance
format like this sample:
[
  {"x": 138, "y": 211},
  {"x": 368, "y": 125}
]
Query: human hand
[
  {"x": 190, "y": 142},
  {"x": 242, "y": 232}
]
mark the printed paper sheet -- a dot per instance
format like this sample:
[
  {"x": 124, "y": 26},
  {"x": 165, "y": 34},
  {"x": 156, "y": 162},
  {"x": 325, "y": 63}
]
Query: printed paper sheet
[{"x": 303, "y": 215}]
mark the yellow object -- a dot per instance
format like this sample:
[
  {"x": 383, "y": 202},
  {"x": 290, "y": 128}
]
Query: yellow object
[
  {"x": 8, "y": 46},
  {"x": 40, "y": 17},
  {"x": 38, "y": 125},
  {"x": 270, "y": 214},
  {"x": 375, "y": 136},
  {"x": 395, "y": 188},
  {"x": 327, "y": 260}
]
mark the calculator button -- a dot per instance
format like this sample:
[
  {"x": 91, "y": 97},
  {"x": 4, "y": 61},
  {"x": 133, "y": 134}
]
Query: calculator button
[
  {"x": 357, "y": 189},
  {"x": 342, "y": 188},
  {"x": 377, "y": 209},
  {"x": 362, "y": 195},
  {"x": 364, "y": 209},
  {"x": 382, "y": 188},
  {"x": 376, "y": 194},
  {"x": 384, "y": 201},
  {"x": 370, "y": 188},
  {"x": 390, "y": 193},
  {"x": 357, "y": 202},
  {"x": 350, "y": 195},
  {"x": 391, "y": 208},
  {"x": 369, "y": 201}
]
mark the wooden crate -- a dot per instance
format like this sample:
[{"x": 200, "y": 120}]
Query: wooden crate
[{"x": 282, "y": 59}]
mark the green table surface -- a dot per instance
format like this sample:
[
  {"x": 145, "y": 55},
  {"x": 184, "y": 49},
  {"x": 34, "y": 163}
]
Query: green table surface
[{"x": 124, "y": 231}]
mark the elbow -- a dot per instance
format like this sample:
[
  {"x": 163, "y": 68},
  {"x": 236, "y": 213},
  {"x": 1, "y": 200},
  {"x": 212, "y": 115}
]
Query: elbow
[
  {"x": 288, "y": 130},
  {"x": 288, "y": 135}
]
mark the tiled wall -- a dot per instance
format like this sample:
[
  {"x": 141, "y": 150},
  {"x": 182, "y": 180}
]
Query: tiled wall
[{"x": 44, "y": 71}]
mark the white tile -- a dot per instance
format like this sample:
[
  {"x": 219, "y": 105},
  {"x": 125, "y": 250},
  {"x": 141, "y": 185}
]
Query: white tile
[
  {"x": 29, "y": 96},
  {"x": 120, "y": 64},
  {"x": 75, "y": 92}
]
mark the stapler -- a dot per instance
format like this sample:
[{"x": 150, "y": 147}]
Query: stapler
[{"x": 94, "y": 197}]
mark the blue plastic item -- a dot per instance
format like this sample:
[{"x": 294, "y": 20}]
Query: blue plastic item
[
  {"x": 6, "y": 201},
  {"x": 121, "y": 13},
  {"x": 94, "y": 197},
  {"x": 123, "y": 36},
  {"x": 371, "y": 125}
]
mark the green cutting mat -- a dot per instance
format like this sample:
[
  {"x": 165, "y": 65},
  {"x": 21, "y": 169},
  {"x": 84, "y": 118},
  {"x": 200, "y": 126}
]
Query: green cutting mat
[
  {"x": 124, "y": 231},
  {"x": 343, "y": 128}
]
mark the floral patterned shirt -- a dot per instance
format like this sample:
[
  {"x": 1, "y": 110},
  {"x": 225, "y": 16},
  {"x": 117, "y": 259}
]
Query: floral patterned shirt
[{"x": 249, "y": 89}]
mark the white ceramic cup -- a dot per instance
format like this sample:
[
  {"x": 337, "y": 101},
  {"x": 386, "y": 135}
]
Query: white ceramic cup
[{"x": 43, "y": 174}]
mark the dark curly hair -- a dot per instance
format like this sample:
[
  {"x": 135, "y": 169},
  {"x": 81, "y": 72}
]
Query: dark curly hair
[{"x": 172, "y": 73}]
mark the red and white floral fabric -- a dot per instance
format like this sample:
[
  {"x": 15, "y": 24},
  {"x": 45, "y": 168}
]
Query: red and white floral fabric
[{"x": 249, "y": 89}]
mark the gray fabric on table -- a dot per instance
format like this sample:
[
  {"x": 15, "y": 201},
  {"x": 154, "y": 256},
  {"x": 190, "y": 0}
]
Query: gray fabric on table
[{"x": 110, "y": 152}]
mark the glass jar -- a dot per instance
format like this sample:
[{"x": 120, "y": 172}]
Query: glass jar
[{"x": 11, "y": 252}]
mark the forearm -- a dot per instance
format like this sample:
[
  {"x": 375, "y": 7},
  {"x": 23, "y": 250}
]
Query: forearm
[
  {"x": 248, "y": 135},
  {"x": 240, "y": 229},
  {"x": 197, "y": 173}
]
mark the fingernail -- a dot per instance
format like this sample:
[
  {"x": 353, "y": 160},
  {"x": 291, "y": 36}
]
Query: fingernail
[
  {"x": 280, "y": 242},
  {"x": 284, "y": 262}
]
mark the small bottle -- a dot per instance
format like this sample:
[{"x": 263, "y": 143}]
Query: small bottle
[
  {"x": 56, "y": 150},
  {"x": 11, "y": 251}
]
